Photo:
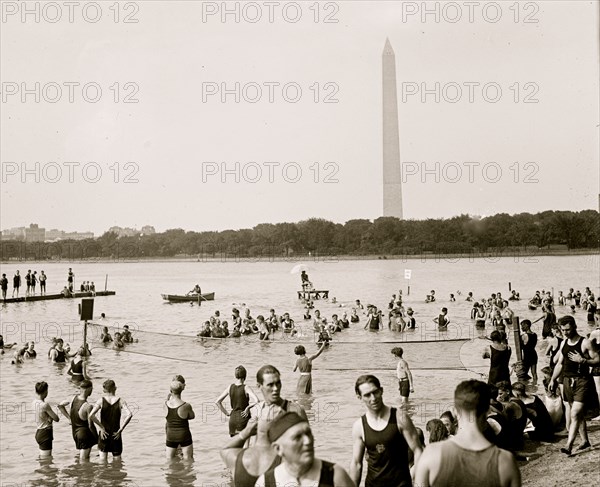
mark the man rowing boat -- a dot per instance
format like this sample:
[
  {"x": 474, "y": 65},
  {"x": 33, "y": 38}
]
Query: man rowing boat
[{"x": 196, "y": 290}]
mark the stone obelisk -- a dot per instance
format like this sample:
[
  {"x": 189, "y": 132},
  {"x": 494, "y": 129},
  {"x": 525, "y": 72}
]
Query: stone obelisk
[{"x": 392, "y": 179}]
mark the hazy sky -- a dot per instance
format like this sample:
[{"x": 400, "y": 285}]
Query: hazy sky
[{"x": 496, "y": 152}]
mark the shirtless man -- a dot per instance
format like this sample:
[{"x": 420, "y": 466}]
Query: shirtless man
[
  {"x": 110, "y": 407},
  {"x": 386, "y": 434},
  {"x": 405, "y": 379},
  {"x": 44, "y": 416},
  {"x": 468, "y": 458},
  {"x": 84, "y": 431}
]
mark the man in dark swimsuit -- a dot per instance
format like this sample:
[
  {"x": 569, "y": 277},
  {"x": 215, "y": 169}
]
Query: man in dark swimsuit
[
  {"x": 70, "y": 279},
  {"x": 292, "y": 439},
  {"x": 577, "y": 354},
  {"x": 4, "y": 286},
  {"x": 468, "y": 458},
  {"x": 43, "y": 279},
  {"x": 84, "y": 434},
  {"x": 16, "y": 283},
  {"x": 386, "y": 434},
  {"x": 110, "y": 407}
]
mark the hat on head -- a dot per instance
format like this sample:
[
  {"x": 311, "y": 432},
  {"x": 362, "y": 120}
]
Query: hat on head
[{"x": 283, "y": 423}]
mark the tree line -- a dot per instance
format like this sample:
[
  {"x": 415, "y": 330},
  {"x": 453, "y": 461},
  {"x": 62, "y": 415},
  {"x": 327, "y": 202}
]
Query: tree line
[{"x": 385, "y": 236}]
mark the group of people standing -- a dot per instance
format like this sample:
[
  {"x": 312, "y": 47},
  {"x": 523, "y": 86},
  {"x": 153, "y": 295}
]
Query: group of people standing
[{"x": 31, "y": 281}]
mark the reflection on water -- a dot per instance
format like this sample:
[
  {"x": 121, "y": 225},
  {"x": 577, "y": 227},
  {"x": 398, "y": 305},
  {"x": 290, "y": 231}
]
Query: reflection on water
[
  {"x": 180, "y": 473},
  {"x": 143, "y": 377}
]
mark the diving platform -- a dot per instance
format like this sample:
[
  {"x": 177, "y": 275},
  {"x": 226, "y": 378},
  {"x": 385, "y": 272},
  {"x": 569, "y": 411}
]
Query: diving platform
[
  {"x": 313, "y": 294},
  {"x": 48, "y": 297}
]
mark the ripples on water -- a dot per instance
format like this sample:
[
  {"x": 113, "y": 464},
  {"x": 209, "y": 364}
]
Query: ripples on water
[{"x": 143, "y": 380}]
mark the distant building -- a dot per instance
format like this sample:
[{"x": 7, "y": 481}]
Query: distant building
[
  {"x": 17, "y": 233},
  {"x": 55, "y": 235},
  {"x": 34, "y": 233},
  {"x": 148, "y": 230},
  {"x": 124, "y": 232}
]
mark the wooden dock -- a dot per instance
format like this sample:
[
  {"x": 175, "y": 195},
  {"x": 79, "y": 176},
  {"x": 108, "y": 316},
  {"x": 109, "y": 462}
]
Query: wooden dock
[
  {"x": 47, "y": 297},
  {"x": 313, "y": 294}
]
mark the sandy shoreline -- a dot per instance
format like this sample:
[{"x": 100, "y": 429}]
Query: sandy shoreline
[{"x": 548, "y": 467}]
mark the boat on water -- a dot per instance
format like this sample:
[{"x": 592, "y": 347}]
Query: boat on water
[{"x": 188, "y": 298}]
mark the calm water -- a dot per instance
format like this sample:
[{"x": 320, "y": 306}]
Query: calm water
[{"x": 143, "y": 372}]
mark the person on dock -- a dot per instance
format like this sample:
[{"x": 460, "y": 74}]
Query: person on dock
[
  {"x": 44, "y": 416},
  {"x": 577, "y": 354},
  {"x": 305, "y": 281},
  {"x": 242, "y": 398},
  {"x": 386, "y": 434},
  {"x": 178, "y": 417},
  {"x": 84, "y": 431},
  {"x": 4, "y": 286},
  {"x": 43, "y": 278},
  {"x": 110, "y": 408},
  {"x": 70, "y": 279},
  {"x": 16, "y": 283},
  {"x": 468, "y": 458},
  {"x": 292, "y": 439},
  {"x": 499, "y": 355},
  {"x": 304, "y": 365},
  {"x": 28, "y": 283},
  {"x": 404, "y": 375},
  {"x": 34, "y": 280}
]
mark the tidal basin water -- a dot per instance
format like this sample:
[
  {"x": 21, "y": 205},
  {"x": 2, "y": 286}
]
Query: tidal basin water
[{"x": 168, "y": 346}]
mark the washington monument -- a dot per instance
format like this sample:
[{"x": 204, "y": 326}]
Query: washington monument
[{"x": 392, "y": 180}]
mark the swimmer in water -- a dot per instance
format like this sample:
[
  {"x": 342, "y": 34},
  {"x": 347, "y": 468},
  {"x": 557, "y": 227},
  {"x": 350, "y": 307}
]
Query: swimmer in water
[{"x": 442, "y": 320}]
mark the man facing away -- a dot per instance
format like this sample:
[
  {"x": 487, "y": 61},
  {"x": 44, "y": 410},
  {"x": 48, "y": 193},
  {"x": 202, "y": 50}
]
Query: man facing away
[
  {"x": 110, "y": 407},
  {"x": 468, "y": 459},
  {"x": 386, "y": 434},
  {"x": 405, "y": 379},
  {"x": 44, "y": 416},
  {"x": 292, "y": 439},
  {"x": 84, "y": 431},
  {"x": 573, "y": 360}
]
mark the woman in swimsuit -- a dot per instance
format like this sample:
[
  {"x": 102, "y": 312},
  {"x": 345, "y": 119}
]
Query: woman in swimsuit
[{"x": 304, "y": 364}]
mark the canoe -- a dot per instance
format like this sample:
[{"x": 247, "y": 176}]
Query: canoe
[{"x": 188, "y": 298}]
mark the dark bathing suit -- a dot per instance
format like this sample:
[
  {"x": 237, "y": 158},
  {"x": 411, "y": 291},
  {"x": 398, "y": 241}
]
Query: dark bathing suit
[
  {"x": 387, "y": 458},
  {"x": 530, "y": 356},
  {"x": 178, "y": 429},
  {"x": 110, "y": 417},
  {"x": 239, "y": 402},
  {"x": 499, "y": 365},
  {"x": 77, "y": 370},
  {"x": 82, "y": 434},
  {"x": 325, "y": 480},
  {"x": 242, "y": 478},
  {"x": 60, "y": 356}
]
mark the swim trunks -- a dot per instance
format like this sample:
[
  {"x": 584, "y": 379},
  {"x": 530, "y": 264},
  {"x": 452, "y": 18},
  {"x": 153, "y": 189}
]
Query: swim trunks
[
  {"x": 404, "y": 387},
  {"x": 44, "y": 438}
]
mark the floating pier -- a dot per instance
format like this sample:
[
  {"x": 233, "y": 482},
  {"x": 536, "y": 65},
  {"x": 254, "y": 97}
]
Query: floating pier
[
  {"x": 313, "y": 294},
  {"x": 47, "y": 297}
]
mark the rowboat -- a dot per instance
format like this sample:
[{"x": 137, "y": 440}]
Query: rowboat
[{"x": 188, "y": 298}]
